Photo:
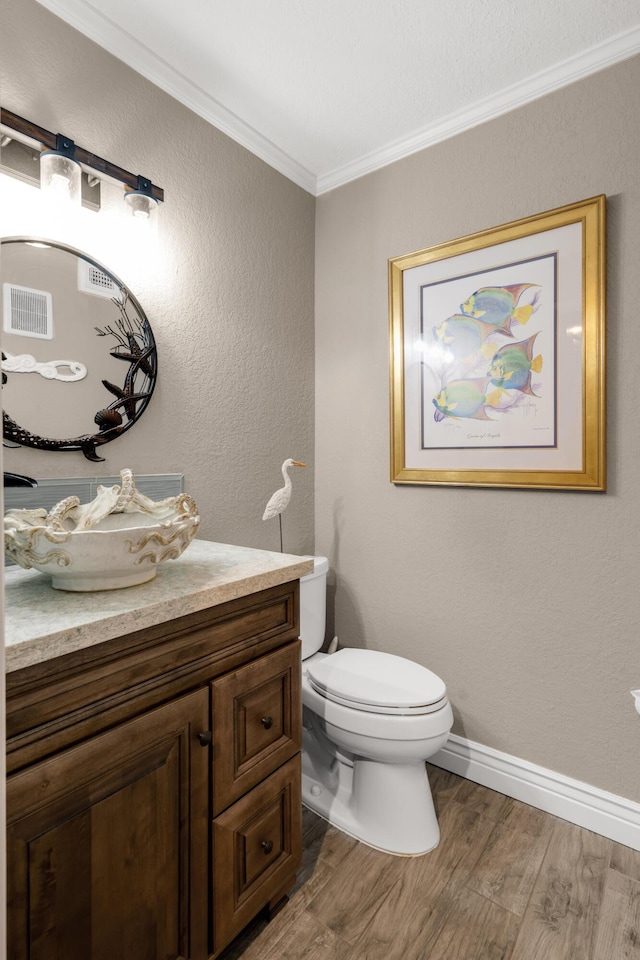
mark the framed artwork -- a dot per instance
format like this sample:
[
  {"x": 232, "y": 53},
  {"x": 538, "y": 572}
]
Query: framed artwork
[{"x": 498, "y": 355}]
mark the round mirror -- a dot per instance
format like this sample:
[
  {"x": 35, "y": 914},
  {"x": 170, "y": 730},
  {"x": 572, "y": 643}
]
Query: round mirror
[{"x": 79, "y": 361}]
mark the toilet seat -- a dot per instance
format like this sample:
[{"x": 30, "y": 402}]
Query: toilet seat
[{"x": 377, "y": 682}]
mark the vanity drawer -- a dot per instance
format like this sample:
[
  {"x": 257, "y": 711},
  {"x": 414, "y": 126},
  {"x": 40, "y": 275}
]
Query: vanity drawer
[
  {"x": 257, "y": 720},
  {"x": 257, "y": 846}
]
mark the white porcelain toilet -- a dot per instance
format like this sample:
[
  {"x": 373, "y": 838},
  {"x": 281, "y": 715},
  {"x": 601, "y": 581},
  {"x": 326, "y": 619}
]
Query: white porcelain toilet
[{"x": 370, "y": 721}]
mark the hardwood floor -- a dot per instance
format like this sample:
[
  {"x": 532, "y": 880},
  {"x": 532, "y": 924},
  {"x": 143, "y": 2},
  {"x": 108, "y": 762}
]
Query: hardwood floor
[{"x": 507, "y": 882}]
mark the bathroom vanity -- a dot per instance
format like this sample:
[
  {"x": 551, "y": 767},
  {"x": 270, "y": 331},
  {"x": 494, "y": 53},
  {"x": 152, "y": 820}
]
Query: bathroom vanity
[{"x": 153, "y": 757}]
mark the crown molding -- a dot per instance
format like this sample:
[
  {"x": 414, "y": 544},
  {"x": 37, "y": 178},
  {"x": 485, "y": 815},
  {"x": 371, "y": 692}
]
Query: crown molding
[
  {"x": 94, "y": 25},
  {"x": 575, "y": 68},
  {"x": 108, "y": 35}
]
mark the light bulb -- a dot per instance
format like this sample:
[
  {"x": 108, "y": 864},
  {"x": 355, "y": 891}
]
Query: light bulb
[
  {"x": 141, "y": 206},
  {"x": 60, "y": 177}
]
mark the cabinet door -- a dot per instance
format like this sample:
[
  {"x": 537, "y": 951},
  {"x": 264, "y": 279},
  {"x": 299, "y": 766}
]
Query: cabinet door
[
  {"x": 257, "y": 722},
  {"x": 257, "y": 846},
  {"x": 106, "y": 839}
]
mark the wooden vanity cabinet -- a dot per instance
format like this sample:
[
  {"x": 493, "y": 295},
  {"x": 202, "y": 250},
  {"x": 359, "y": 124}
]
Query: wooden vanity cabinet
[
  {"x": 153, "y": 795},
  {"x": 256, "y": 798},
  {"x": 105, "y": 838}
]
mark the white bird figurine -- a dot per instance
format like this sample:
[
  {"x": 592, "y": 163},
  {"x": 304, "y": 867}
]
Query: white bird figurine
[{"x": 280, "y": 499}]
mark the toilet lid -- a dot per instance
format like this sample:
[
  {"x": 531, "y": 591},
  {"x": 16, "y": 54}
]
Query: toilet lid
[{"x": 377, "y": 682}]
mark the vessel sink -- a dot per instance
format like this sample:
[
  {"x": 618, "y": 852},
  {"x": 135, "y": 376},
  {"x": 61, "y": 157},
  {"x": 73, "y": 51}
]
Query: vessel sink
[{"x": 116, "y": 540}]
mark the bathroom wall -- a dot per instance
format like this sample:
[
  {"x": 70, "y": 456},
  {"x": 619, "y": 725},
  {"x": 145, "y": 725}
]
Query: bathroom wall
[
  {"x": 525, "y": 602},
  {"x": 227, "y": 288}
]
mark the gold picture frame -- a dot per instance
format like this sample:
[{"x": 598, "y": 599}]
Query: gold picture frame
[{"x": 497, "y": 345}]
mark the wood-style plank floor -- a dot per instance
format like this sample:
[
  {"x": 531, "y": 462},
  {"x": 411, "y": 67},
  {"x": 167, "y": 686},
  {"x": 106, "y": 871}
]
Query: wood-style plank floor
[{"x": 507, "y": 882}]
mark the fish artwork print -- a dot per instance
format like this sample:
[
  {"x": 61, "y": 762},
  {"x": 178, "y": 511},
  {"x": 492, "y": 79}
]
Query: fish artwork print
[
  {"x": 462, "y": 336},
  {"x": 512, "y": 365},
  {"x": 482, "y": 374},
  {"x": 499, "y": 305},
  {"x": 466, "y": 399}
]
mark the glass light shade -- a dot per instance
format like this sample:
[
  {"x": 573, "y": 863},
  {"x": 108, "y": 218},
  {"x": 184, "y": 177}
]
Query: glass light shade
[
  {"x": 141, "y": 206},
  {"x": 60, "y": 177}
]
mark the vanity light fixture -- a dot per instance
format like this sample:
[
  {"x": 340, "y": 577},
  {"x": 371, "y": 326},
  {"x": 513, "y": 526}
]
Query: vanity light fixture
[
  {"x": 60, "y": 173},
  {"x": 62, "y": 161},
  {"x": 141, "y": 202}
]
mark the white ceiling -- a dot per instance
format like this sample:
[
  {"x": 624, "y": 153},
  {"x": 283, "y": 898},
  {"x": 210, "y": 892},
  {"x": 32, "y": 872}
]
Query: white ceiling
[{"x": 328, "y": 90}]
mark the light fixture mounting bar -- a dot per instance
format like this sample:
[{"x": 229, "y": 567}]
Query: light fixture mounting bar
[{"x": 39, "y": 135}]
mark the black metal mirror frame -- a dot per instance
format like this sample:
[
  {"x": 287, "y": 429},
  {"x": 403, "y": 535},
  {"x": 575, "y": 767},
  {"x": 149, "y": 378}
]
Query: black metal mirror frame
[{"x": 135, "y": 345}]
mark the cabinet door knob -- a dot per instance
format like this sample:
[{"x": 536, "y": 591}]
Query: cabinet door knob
[
  {"x": 205, "y": 737},
  {"x": 267, "y": 845},
  {"x": 267, "y": 722}
]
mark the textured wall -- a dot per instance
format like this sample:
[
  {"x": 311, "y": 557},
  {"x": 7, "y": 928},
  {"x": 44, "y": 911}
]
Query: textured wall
[
  {"x": 525, "y": 602},
  {"x": 229, "y": 294}
]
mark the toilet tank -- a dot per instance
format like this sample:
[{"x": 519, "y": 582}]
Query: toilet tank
[{"x": 313, "y": 607}]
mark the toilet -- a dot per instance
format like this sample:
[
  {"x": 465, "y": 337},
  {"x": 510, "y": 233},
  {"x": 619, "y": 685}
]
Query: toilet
[{"x": 370, "y": 721}]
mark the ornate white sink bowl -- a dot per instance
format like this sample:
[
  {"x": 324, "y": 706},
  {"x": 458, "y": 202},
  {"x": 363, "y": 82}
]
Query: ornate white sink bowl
[{"x": 116, "y": 540}]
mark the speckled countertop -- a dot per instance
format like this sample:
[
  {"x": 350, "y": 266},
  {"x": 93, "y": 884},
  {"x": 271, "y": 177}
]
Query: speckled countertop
[{"x": 42, "y": 623}]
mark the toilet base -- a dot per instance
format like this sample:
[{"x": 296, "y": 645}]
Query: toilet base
[{"x": 387, "y": 806}]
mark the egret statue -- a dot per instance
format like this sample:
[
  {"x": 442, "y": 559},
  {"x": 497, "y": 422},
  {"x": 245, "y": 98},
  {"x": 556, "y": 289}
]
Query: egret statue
[{"x": 280, "y": 499}]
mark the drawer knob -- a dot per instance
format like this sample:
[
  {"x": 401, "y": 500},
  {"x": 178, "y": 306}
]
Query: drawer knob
[
  {"x": 267, "y": 845},
  {"x": 205, "y": 737},
  {"x": 267, "y": 722}
]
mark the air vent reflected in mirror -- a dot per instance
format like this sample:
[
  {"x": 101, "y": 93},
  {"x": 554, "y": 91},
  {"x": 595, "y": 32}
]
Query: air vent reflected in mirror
[{"x": 27, "y": 312}]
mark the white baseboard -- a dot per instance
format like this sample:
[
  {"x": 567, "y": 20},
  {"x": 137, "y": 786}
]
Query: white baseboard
[{"x": 579, "y": 803}]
